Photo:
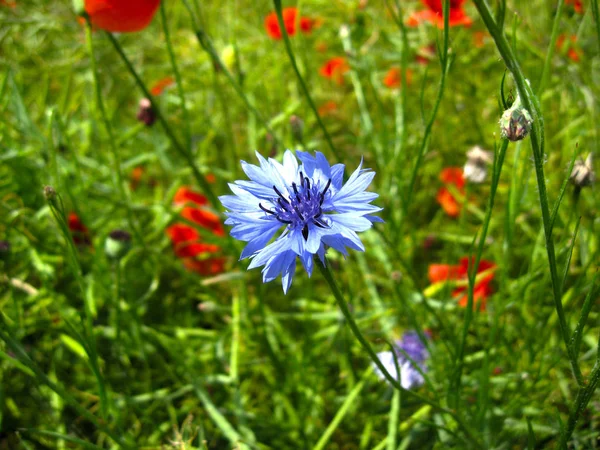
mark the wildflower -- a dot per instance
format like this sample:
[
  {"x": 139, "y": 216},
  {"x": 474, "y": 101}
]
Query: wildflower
[
  {"x": 572, "y": 50},
  {"x": 290, "y": 16},
  {"x": 450, "y": 176},
  {"x": 197, "y": 256},
  {"x": 79, "y": 231},
  {"x": 411, "y": 345},
  {"x": 49, "y": 193},
  {"x": 577, "y": 5},
  {"x": 435, "y": 14},
  {"x": 393, "y": 78},
  {"x": 335, "y": 69},
  {"x": 121, "y": 16},
  {"x": 117, "y": 244},
  {"x": 328, "y": 108},
  {"x": 308, "y": 201},
  {"x": 146, "y": 113},
  {"x": 161, "y": 85},
  {"x": 516, "y": 122},
  {"x": 475, "y": 169},
  {"x": 479, "y": 38},
  {"x": 136, "y": 177},
  {"x": 583, "y": 172},
  {"x": 459, "y": 273}
]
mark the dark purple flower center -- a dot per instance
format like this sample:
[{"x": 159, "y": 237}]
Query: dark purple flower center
[{"x": 302, "y": 205}]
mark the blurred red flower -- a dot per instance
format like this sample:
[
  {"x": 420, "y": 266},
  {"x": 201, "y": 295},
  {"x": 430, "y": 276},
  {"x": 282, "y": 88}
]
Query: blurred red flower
[
  {"x": 9, "y": 3},
  {"x": 79, "y": 232},
  {"x": 577, "y": 5},
  {"x": 328, "y": 108},
  {"x": 335, "y": 68},
  {"x": 572, "y": 51},
  {"x": 451, "y": 176},
  {"x": 435, "y": 14},
  {"x": 444, "y": 272},
  {"x": 121, "y": 15},
  {"x": 197, "y": 256},
  {"x": 290, "y": 20},
  {"x": 161, "y": 85},
  {"x": 393, "y": 78},
  {"x": 425, "y": 54}
]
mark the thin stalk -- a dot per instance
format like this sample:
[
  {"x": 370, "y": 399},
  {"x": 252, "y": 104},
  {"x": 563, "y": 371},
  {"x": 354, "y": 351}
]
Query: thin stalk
[
  {"x": 288, "y": 48},
  {"x": 454, "y": 388},
  {"x": 180, "y": 91},
  {"x": 116, "y": 159},
  {"x": 551, "y": 46},
  {"x": 209, "y": 48},
  {"x": 531, "y": 103},
  {"x": 343, "y": 305},
  {"x": 429, "y": 126},
  {"x": 200, "y": 179}
]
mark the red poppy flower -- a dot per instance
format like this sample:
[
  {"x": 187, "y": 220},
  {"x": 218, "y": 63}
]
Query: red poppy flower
[
  {"x": 161, "y": 85},
  {"x": 335, "y": 68},
  {"x": 197, "y": 256},
  {"x": 435, "y": 14},
  {"x": 290, "y": 16},
  {"x": 577, "y": 5},
  {"x": 451, "y": 176},
  {"x": 572, "y": 51},
  {"x": 393, "y": 78},
  {"x": 186, "y": 195},
  {"x": 204, "y": 218},
  {"x": 120, "y": 15},
  {"x": 443, "y": 272},
  {"x": 79, "y": 231},
  {"x": 328, "y": 108}
]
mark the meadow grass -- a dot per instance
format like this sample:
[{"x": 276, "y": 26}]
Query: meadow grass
[{"x": 153, "y": 349}]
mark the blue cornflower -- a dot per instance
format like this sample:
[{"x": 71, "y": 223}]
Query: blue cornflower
[
  {"x": 310, "y": 202},
  {"x": 414, "y": 347}
]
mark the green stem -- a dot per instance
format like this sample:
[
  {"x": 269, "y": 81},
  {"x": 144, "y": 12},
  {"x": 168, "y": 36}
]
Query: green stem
[
  {"x": 343, "y": 305},
  {"x": 531, "y": 103},
  {"x": 200, "y": 179},
  {"x": 429, "y": 126},
  {"x": 288, "y": 48},
  {"x": 116, "y": 159},
  {"x": 454, "y": 389},
  {"x": 551, "y": 46},
  {"x": 181, "y": 92}
]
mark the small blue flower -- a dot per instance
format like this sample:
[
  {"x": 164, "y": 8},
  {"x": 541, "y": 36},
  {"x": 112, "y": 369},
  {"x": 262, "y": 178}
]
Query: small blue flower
[
  {"x": 414, "y": 347},
  {"x": 310, "y": 202}
]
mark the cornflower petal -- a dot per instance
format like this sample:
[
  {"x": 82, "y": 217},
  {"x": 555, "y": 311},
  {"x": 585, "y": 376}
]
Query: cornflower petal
[{"x": 307, "y": 202}]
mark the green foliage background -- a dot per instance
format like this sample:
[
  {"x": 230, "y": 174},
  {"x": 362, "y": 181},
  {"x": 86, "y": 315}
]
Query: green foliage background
[{"x": 247, "y": 366}]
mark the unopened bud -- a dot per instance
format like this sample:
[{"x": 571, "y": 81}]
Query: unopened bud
[
  {"x": 49, "y": 193},
  {"x": 4, "y": 250},
  {"x": 117, "y": 244},
  {"x": 297, "y": 125},
  {"x": 475, "y": 169},
  {"x": 146, "y": 113},
  {"x": 583, "y": 172},
  {"x": 516, "y": 122}
]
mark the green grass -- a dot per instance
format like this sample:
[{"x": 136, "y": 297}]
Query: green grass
[{"x": 141, "y": 353}]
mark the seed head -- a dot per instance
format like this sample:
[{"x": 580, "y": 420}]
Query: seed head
[
  {"x": 516, "y": 122},
  {"x": 583, "y": 172},
  {"x": 49, "y": 193},
  {"x": 117, "y": 244},
  {"x": 146, "y": 113},
  {"x": 475, "y": 169}
]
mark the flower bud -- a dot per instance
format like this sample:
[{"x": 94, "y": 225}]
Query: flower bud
[
  {"x": 297, "y": 125},
  {"x": 475, "y": 169},
  {"x": 583, "y": 172},
  {"x": 146, "y": 113},
  {"x": 4, "y": 250},
  {"x": 117, "y": 244},
  {"x": 516, "y": 122},
  {"x": 49, "y": 193}
]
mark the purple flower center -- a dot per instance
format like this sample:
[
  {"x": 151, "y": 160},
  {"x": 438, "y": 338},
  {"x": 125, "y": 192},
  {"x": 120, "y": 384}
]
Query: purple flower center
[{"x": 302, "y": 205}]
